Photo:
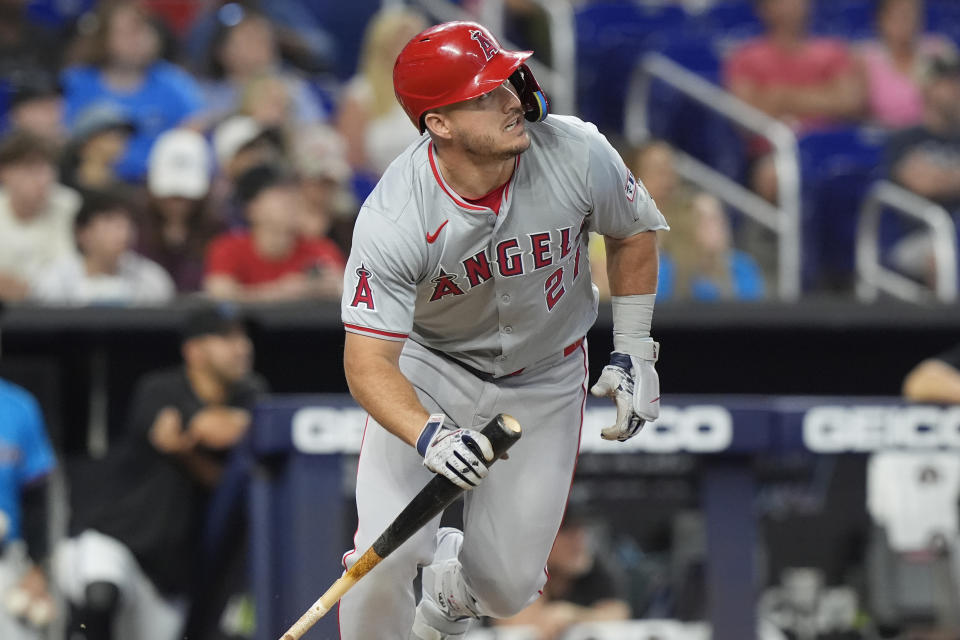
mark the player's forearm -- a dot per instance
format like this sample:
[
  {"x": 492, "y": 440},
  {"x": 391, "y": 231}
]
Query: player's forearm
[
  {"x": 632, "y": 264},
  {"x": 933, "y": 381},
  {"x": 201, "y": 467},
  {"x": 840, "y": 99},
  {"x": 379, "y": 386},
  {"x": 606, "y": 610},
  {"x": 928, "y": 178}
]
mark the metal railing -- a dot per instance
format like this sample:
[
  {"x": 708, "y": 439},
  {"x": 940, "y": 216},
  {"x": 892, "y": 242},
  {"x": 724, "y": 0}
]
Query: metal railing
[
  {"x": 873, "y": 277},
  {"x": 559, "y": 81},
  {"x": 782, "y": 218}
]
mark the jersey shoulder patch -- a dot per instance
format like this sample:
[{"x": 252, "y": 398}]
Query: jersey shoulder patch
[
  {"x": 630, "y": 188},
  {"x": 363, "y": 293}
]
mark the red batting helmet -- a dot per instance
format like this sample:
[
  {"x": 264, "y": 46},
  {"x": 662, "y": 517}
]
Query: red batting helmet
[{"x": 457, "y": 61}]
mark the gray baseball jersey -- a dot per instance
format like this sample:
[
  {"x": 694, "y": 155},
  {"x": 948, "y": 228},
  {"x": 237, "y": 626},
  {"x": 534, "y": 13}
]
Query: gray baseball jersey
[{"x": 496, "y": 291}]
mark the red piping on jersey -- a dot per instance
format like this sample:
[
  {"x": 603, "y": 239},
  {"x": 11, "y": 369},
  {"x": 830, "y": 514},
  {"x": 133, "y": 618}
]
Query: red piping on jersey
[
  {"x": 586, "y": 374},
  {"x": 570, "y": 348},
  {"x": 378, "y": 332},
  {"x": 453, "y": 196}
]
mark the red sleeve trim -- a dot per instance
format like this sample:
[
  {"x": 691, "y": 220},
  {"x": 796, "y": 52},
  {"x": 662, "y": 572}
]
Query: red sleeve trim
[{"x": 388, "y": 334}]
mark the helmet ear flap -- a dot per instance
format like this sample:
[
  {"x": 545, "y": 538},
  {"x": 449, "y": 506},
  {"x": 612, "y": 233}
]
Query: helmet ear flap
[{"x": 536, "y": 106}]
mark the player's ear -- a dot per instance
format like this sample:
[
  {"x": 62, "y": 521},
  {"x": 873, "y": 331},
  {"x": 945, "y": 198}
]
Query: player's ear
[{"x": 437, "y": 124}]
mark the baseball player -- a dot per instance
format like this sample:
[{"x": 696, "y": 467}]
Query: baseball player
[{"x": 467, "y": 294}]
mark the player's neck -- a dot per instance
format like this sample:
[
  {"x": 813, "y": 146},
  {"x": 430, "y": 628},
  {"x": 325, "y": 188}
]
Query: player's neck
[{"x": 472, "y": 179}]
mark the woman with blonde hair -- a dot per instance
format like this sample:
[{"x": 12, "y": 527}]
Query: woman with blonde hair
[{"x": 370, "y": 119}]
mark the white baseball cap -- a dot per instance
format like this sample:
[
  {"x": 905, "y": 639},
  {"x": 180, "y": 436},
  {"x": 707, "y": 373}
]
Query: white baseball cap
[
  {"x": 179, "y": 165},
  {"x": 320, "y": 152},
  {"x": 233, "y": 134}
]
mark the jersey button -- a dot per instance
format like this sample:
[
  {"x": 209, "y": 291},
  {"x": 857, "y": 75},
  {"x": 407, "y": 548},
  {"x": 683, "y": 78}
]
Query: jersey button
[
  {"x": 500, "y": 358},
  {"x": 508, "y": 329},
  {"x": 505, "y": 298}
]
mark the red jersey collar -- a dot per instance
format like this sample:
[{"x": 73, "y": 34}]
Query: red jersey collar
[{"x": 457, "y": 200}]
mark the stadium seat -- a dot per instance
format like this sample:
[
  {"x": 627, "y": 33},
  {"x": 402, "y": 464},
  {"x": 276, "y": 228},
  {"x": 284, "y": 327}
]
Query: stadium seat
[
  {"x": 610, "y": 37},
  {"x": 848, "y": 19},
  {"x": 837, "y": 168}
]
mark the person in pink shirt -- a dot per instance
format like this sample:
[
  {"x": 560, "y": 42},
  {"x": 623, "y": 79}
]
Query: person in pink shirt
[
  {"x": 807, "y": 82},
  {"x": 893, "y": 62}
]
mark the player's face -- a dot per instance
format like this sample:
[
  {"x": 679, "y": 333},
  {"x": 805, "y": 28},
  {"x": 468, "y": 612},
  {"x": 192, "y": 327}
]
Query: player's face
[
  {"x": 229, "y": 356},
  {"x": 491, "y": 125}
]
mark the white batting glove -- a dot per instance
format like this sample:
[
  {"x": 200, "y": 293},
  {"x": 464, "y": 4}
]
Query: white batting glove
[
  {"x": 460, "y": 455},
  {"x": 632, "y": 382}
]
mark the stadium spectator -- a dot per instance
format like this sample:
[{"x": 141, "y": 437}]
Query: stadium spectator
[
  {"x": 36, "y": 213},
  {"x": 123, "y": 68},
  {"x": 926, "y": 158},
  {"x": 272, "y": 261},
  {"x": 582, "y": 587},
  {"x": 245, "y": 51},
  {"x": 105, "y": 271},
  {"x": 178, "y": 224},
  {"x": 36, "y": 106},
  {"x": 805, "y": 81},
  {"x": 26, "y": 461},
  {"x": 319, "y": 157},
  {"x": 698, "y": 261},
  {"x": 100, "y": 138},
  {"x": 893, "y": 63},
  {"x": 23, "y": 44},
  {"x": 935, "y": 379},
  {"x": 369, "y": 117},
  {"x": 137, "y": 515},
  {"x": 239, "y": 144},
  {"x": 302, "y": 39}
]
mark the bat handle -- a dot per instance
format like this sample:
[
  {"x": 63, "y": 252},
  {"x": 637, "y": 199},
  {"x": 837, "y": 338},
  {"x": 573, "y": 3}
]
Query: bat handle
[{"x": 332, "y": 595}]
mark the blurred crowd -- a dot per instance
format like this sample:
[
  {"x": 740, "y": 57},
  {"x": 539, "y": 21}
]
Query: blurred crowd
[
  {"x": 156, "y": 150},
  {"x": 153, "y": 150}
]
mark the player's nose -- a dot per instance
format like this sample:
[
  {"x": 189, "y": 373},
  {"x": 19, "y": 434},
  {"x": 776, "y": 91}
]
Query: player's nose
[{"x": 509, "y": 97}]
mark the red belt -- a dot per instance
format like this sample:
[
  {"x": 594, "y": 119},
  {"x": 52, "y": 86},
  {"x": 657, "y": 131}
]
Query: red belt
[{"x": 567, "y": 350}]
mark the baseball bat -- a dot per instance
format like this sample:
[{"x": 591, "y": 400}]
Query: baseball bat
[{"x": 503, "y": 431}]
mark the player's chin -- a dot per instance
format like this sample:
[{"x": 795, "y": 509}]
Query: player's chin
[{"x": 517, "y": 145}]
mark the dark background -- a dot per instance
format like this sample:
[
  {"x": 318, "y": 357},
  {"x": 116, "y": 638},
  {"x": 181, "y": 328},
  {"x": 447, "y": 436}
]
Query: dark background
[{"x": 814, "y": 348}]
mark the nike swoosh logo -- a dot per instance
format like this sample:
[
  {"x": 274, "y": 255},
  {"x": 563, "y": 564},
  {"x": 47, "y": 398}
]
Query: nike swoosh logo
[{"x": 432, "y": 237}]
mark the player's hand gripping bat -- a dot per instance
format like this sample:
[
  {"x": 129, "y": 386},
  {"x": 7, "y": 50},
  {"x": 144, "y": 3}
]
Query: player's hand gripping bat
[{"x": 503, "y": 431}]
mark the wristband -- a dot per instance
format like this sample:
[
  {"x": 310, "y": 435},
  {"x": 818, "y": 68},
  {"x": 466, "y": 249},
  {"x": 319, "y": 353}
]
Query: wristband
[
  {"x": 434, "y": 422},
  {"x": 632, "y": 317}
]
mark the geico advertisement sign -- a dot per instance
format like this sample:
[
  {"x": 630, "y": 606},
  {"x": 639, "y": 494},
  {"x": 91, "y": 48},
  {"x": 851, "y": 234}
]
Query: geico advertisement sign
[
  {"x": 695, "y": 429},
  {"x": 832, "y": 429}
]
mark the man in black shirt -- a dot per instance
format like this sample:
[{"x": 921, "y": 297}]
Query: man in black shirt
[
  {"x": 926, "y": 159},
  {"x": 129, "y": 564},
  {"x": 581, "y": 588}
]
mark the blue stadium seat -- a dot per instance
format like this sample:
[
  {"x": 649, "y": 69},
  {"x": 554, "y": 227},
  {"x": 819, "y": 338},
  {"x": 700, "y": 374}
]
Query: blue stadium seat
[
  {"x": 346, "y": 21},
  {"x": 695, "y": 50},
  {"x": 849, "y": 19},
  {"x": 733, "y": 20},
  {"x": 610, "y": 37},
  {"x": 943, "y": 16},
  {"x": 837, "y": 168}
]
